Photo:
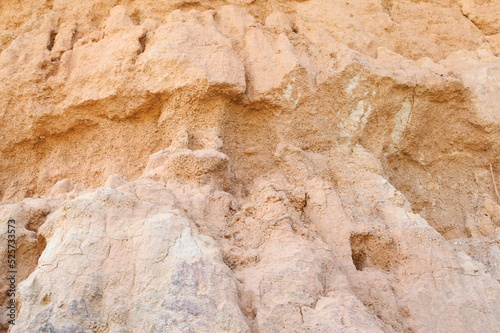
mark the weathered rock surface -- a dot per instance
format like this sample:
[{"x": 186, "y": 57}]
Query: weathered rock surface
[{"x": 251, "y": 166}]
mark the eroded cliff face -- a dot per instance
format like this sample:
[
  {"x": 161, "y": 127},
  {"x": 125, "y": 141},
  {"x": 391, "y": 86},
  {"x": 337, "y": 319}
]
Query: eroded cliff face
[{"x": 251, "y": 166}]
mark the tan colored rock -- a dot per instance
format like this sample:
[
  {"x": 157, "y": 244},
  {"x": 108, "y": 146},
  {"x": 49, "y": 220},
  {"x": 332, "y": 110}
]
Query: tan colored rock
[
  {"x": 494, "y": 42},
  {"x": 166, "y": 65},
  {"x": 266, "y": 75},
  {"x": 484, "y": 14},
  {"x": 279, "y": 22},
  {"x": 234, "y": 21},
  {"x": 248, "y": 166},
  {"x": 479, "y": 72}
]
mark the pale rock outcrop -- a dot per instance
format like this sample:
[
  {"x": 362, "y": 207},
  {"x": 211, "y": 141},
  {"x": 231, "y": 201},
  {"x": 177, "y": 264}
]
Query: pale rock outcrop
[
  {"x": 249, "y": 166},
  {"x": 25, "y": 243},
  {"x": 299, "y": 260},
  {"x": 484, "y": 14},
  {"x": 149, "y": 255}
]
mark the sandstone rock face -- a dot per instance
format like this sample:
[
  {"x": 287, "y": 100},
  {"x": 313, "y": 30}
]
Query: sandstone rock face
[{"x": 251, "y": 166}]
